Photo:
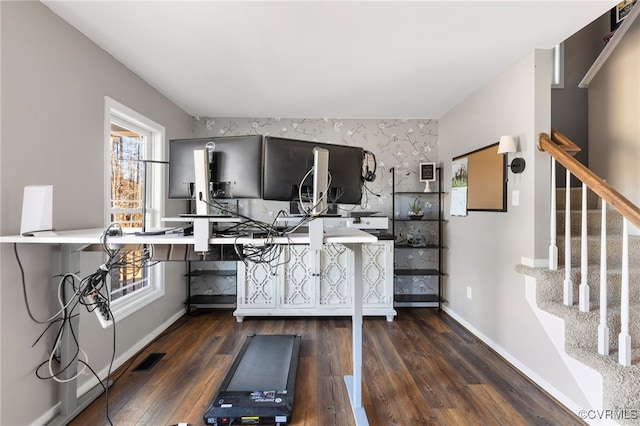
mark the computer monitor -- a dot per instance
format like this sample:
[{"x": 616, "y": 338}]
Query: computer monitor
[
  {"x": 287, "y": 161},
  {"x": 235, "y": 166}
]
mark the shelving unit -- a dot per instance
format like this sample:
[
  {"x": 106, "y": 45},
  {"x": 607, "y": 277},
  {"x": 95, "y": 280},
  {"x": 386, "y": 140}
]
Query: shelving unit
[
  {"x": 220, "y": 264},
  {"x": 223, "y": 257},
  {"x": 418, "y": 247}
]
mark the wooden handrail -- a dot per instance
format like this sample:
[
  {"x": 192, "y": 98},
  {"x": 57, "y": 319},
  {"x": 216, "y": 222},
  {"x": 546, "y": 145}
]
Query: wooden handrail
[
  {"x": 560, "y": 147},
  {"x": 564, "y": 142}
]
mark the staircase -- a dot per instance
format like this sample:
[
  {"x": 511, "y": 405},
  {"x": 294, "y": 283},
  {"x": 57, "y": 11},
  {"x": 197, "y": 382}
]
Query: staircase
[
  {"x": 621, "y": 384},
  {"x": 601, "y": 328}
]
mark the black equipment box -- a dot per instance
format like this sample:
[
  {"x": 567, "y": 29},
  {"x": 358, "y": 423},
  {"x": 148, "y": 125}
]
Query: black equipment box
[{"x": 259, "y": 387}]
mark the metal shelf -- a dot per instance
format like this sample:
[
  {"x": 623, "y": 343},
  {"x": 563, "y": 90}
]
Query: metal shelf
[
  {"x": 418, "y": 193},
  {"x": 416, "y": 301},
  {"x": 416, "y": 272},
  {"x": 217, "y": 254},
  {"x": 214, "y": 301},
  {"x": 419, "y": 300},
  {"x": 407, "y": 246},
  {"x": 212, "y": 272}
]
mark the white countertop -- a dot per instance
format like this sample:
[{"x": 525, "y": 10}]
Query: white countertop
[{"x": 332, "y": 235}]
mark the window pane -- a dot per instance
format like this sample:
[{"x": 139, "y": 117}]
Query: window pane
[
  {"x": 127, "y": 202},
  {"x": 129, "y": 275},
  {"x": 127, "y": 176},
  {"x": 133, "y": 145}
]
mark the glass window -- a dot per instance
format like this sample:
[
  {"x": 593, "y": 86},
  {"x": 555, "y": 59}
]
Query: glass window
[{"x": 134, "y": 190}]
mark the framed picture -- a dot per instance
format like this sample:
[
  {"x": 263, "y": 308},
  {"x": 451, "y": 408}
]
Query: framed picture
[
  {"x": 427, "y": 172},
  {"x": 619, "y": 12}
]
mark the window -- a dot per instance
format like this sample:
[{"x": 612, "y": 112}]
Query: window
[
  {"x": 134, "y": 199},
  {"x": 557, "y": 73}
]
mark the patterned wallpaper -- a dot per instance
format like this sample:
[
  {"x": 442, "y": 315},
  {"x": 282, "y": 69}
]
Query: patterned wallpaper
[{"x": 399, "y": 143}]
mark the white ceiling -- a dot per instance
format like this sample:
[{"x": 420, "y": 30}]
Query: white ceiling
[{"x": 341, "y": 59}]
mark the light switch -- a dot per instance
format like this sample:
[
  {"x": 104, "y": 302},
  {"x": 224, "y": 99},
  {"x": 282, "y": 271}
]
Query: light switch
[{"x": 515, "y": 198}]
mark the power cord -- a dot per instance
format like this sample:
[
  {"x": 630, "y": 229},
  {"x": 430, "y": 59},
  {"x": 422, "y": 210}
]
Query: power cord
[{"x": 92, "y": 292}]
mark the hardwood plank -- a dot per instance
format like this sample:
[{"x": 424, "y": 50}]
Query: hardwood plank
[
  {"x": 422, "y": 369},
  {"x": 492, "y": 408},
  {"x": 306, "y": 412}
]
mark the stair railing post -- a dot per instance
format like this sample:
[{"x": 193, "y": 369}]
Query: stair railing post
[
  {"x": 568, "y": 285},
  {"x": 584, "y": 303},
  {"x": 603, "y": 329},
  {"x": 553, "y": 248},
  {"x": 624, "y": 339}
]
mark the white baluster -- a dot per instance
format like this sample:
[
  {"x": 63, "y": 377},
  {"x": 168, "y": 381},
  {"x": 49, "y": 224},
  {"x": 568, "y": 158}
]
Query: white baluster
[
  {"x": 584, "y": 259},
  {"x": 603, "y": 329},
  {"x": 568, "y": 284},
  {"x": 553, "y": 248},
  {"x": 624, "y": 339}
]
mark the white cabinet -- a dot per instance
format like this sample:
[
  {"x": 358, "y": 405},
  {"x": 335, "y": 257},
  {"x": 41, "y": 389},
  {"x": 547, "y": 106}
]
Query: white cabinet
[
  {"x": 256, "y": 286},
  {"x": 314, "y": 283},
  {"x": 336, "y": 277},
  {"x": 298, "y": 279}
]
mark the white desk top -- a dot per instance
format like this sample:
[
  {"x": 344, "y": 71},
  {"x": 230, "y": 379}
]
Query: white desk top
[{"x": 92, "y": 236}]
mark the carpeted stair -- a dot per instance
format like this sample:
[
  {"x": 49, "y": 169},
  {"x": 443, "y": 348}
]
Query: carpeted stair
[{"x": 621, "y": 384}]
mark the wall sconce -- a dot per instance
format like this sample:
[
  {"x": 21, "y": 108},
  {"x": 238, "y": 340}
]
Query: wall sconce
[{"x": 508, "y": 144}]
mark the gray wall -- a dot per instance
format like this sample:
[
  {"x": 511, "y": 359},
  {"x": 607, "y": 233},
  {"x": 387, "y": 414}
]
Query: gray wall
[
  {"x": 53, "y": 85},
  {"x": 614, "y": 112},
  {"x": 484, "y": 247},
  {"x": 569, "y": 105}
]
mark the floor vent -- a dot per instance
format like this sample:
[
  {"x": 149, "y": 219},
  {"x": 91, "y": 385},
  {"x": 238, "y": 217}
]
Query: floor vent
[{"x": 149, "y": 362}]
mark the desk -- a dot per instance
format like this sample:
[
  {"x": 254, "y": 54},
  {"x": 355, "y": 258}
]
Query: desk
[{"x": 72, "y": 242}]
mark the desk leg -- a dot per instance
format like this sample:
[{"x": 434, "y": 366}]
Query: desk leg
[
  {"x": 70, "y": 405},
  {"x": 354, "y": 382}
]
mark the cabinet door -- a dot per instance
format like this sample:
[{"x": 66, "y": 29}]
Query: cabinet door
[
  {"x": 377, "y": 277},
  {"x": 335, "y": 276},
  {"x": 299, "y": 279},
  {"x": 256, "y": 285}
]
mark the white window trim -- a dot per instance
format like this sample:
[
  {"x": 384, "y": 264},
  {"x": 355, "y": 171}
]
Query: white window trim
[{"x": 128, "y": 304}]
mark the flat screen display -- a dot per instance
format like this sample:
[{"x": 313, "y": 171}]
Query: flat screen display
[
  {"x": 287, "y": 161},
  {"x": 235, "y": 166}
]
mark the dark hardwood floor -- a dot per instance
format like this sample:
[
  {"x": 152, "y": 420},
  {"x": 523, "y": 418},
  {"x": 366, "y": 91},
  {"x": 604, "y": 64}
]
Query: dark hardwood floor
[{"x": 421, "y": 369}]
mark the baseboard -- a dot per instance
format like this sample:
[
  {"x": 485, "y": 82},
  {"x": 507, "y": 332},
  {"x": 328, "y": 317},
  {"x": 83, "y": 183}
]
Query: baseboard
[
  {"x": 588, "y": 379},
  {"x": 534, "y": 263},
  {"x": 131, "y": 352},
  {"x": 118, "y": 362},
  {"x": 549, "y": 388}
]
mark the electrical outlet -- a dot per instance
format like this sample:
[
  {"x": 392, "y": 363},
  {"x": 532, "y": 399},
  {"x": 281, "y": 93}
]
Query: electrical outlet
[{"x": 468, "y": 292}]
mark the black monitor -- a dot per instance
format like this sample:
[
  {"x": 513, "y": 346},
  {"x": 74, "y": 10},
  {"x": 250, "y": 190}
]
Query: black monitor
[
  {"x": 287, "y": 161},
  {"x": 235, "y": 166}
]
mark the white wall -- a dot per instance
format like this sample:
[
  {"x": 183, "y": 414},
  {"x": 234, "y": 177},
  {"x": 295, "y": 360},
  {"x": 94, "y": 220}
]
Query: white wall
[
  {"x": 484, "y": 247},
  {"x": 53, "y": 85}
]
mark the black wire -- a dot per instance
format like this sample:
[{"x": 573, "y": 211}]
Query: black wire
[
  {"x": 24, "y": 287},
  {"x": 113, "y": 355},
  {"x": 94, "y": 374},
  {"x": 51, "y": 323},
  {"x": 65, "y": 319},
  {"x": 92, "y": 285}
]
